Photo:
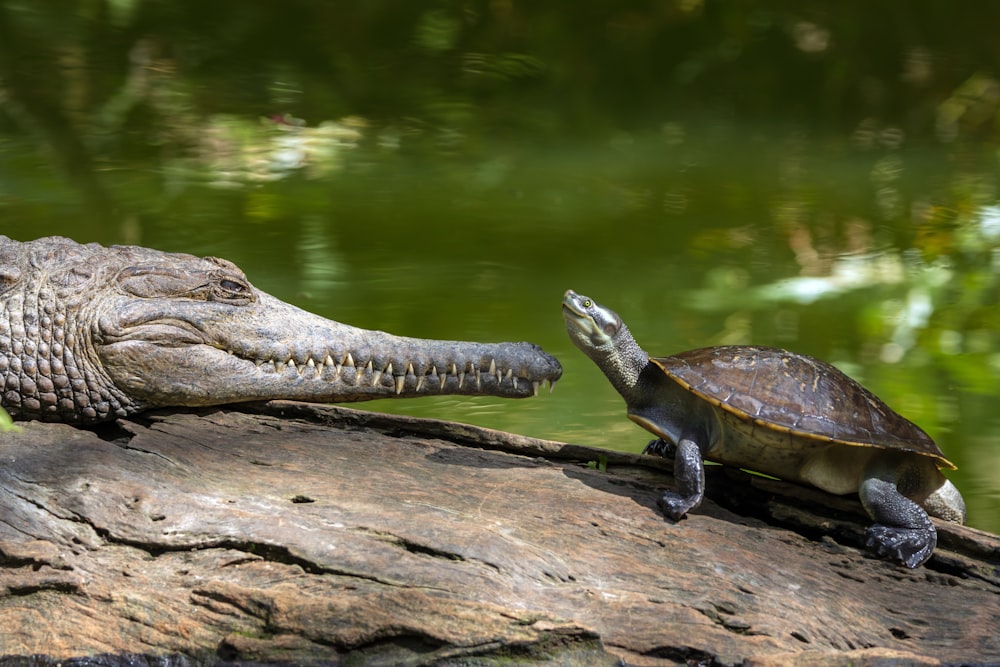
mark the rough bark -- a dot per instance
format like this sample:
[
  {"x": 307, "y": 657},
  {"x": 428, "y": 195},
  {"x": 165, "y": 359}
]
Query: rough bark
[{"x": 307, "y": 534}]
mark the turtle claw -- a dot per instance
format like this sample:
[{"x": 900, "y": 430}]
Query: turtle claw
[
  {"x": 911, "y": 546},
  {"x": 675, "y": 505},
  {"x": 660, "y": 447}
]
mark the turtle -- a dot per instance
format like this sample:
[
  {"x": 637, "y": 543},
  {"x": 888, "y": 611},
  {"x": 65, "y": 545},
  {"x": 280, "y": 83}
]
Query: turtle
[{"x": 780, "y": 413}]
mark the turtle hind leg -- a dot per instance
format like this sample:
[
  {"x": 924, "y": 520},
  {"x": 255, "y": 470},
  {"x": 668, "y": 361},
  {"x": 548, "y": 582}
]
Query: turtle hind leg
[
  {"x": 902, "y": 531},
  {"x": 910, "y": 546},
  {"x": 689, "y": 474}
]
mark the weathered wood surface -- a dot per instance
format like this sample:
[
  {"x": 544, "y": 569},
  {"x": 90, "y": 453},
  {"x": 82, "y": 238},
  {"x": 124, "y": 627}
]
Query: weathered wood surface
[{"x": 296, "y": 533}]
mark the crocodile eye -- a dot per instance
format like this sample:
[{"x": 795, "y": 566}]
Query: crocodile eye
[
  {"x": 232, "y": 291},
  {"x": 232, "y": 286}
]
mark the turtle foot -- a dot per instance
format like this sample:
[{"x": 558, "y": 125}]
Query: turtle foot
[
  {"x": 675, "y": 505},
  {"x": 660, "y": 447},
  {"x": 911, "y": 546}
]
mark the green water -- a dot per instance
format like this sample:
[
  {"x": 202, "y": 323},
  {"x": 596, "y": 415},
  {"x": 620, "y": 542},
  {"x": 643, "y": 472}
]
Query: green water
[{"x": 717, "y": 174}]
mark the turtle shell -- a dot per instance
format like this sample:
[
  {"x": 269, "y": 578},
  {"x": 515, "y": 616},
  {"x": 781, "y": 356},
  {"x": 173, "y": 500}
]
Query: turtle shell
[{"x": 796, "y": 394}]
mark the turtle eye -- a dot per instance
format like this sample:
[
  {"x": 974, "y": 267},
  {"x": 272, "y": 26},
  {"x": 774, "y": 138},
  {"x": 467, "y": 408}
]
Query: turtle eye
[{"x": 587, "y": 303}]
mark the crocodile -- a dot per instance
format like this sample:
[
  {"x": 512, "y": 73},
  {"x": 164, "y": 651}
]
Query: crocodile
[{"x": 90, "y": 333}]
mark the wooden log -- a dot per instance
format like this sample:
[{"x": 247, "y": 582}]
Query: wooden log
[{"x": 287, "y": 532}]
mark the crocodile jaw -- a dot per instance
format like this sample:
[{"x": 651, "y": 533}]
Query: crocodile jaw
[{"x": 198, "y": 353}]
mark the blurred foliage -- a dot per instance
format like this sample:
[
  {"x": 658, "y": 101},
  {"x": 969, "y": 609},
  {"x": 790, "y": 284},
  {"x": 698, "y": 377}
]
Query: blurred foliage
[{"x": 6, "y": 424}]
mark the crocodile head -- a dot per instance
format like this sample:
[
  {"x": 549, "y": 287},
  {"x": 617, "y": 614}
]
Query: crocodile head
[{"x": 89, "y": 333}]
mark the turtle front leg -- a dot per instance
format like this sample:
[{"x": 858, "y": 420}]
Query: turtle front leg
[
  {"x": 902, "y": 530},
  {"x": 689, "y": 475}
]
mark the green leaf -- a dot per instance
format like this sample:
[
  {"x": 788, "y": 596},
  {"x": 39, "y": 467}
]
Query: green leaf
[{"x": 6, "y": 423}]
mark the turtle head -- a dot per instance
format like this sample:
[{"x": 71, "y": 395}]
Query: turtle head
[
  {"x": 600, "y": 334},
  {"x": 589, "y": 323}
]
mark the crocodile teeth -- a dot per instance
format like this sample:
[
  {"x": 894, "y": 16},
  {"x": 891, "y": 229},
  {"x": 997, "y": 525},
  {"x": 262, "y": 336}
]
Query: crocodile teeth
[
  {"x": 534, "y": 388},
  {"x": 348, "y": 360},
  {"x": 400, "y": 381},
  {"x": 420, "y": 382},
  {"x": 377, "y": 374},
  {"x": 328, "y": 362},
  {"x": 493, "y": 367},
  {"x": 461, "y": 379},
  {"x": 509, "y": 375}
]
